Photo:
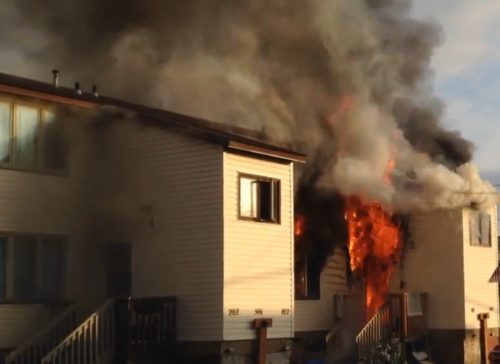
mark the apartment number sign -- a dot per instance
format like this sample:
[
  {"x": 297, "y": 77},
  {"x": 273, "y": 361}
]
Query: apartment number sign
[{"x": 257, "y": 312}]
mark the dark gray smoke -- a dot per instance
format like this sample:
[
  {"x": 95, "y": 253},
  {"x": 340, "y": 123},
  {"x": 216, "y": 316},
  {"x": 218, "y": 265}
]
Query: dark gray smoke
[{"x": 347, "y": 81}]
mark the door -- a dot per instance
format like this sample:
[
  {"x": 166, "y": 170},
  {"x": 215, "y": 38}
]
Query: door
[{"x": 118, "y": 270}]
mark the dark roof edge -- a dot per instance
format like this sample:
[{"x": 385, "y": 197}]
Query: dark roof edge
[
  {"x": 231, "y": 137},
  {"x": 252, "y": 148}
]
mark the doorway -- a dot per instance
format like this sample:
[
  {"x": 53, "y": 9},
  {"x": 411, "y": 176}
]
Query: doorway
[{"x": 118, "y": 259}]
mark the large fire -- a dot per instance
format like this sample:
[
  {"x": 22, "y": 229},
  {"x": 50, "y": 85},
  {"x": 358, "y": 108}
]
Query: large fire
[{"x": 374, "y": 248}]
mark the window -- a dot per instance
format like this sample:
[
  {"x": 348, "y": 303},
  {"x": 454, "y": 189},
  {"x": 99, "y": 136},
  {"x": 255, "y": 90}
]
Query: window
[
  {"x": 3, "y": 268},
  {"x": 259, "y": 198},
  {"x": 307, "y": 276},
  {"x": 480, "y": 228},
  {"x": 27, "y": 127},
  {"x": 31, "y": 139},
  {"x": 32, "y": 268},
  {"x": 52, "y": 268},
  {"x": 5, "y": 133},
  {"x": 52, "y": 144},
  {"x": 24, "y": 272}
]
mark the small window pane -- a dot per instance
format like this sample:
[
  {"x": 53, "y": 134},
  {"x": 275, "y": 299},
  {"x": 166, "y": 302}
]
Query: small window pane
[
  {"x": 5, "y": 133},
  {"x": 485, "y": 229},
  {"x": 265, "y": 200},
  {"x": 3, "y": 268},
  {"x": 52, "y": 268},
  {"x": 26, "y": 131},
  {"x": 475, "y": 232},
  {"x": 24, "y": 281},
  {"x": 52, "y": 143},
  {"x": 248, "y": 197}
]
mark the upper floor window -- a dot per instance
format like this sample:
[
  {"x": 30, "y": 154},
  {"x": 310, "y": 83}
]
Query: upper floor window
[
  {"x": 31, "y": 139},
  {"x": 259, "y": 198},
  {"x": 480, "y": 228}
]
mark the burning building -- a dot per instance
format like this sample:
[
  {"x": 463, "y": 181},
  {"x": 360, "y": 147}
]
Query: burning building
[{"x": 346, "y": 83}]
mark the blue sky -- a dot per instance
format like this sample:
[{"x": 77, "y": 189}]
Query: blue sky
[{"x": 467, "y": 72}]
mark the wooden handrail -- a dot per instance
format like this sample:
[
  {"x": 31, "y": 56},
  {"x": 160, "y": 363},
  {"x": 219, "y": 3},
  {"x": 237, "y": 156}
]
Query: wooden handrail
[
  {"x": 388, "y": 321},
  {"x": 90, "y": 342},
  {"x": 43, "y": 341}
]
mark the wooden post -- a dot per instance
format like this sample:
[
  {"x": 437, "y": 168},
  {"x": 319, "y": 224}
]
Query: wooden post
[
  {"x": 404, "y": 322},
  {"x": 261, "y": 326},
  {"x": 483, "y": 336}
]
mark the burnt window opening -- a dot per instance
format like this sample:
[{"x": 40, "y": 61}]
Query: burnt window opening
[
  {"x": 259, "y": 198},
  {"x": 307, "y": 274},
  {"x": 480, "y": 229}
]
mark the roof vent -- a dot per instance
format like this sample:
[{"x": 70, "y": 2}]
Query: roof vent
[
  {"x": 55, "y": 78},
  {"x": 78, "y": 90}
]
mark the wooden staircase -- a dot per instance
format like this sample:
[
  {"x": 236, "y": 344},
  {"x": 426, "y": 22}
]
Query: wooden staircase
[
  {"x": 37, "y": 346},
  {"x": 388, "y": 323},
  {"x": 93, "y": 341},
  {"x": 397, "y": 321},
  {"x": 121, "y": 329}
]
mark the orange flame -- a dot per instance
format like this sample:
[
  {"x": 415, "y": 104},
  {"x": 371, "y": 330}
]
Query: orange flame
[
  {"x": 374, "y": 248},
  {"x": 300, "y": 225}
]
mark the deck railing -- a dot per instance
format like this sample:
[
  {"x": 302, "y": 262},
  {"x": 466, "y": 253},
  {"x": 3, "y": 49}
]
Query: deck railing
[
  {"x": 389, "y": 321},
  {"x": 91, "y": 342},
  {"x": 44, "y": 340},
  {"x": 150, "y": 330},
  {"x": 121, "y": 330}
]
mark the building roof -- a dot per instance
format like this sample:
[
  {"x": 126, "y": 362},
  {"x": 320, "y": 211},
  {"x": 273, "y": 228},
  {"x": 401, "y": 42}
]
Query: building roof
[{"x": 228, "y": 136}]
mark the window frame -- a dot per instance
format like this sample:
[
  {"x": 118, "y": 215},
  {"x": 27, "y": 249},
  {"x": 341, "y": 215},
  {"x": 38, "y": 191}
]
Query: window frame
[
  {"x": 276, "y": 200},
  {"x": 11, "y": 134},
  {"x": 9, "y": 297},
  {"x": 309, "y": 291},
  {"x": 38, "y": 165},
  {"x": 478, "y": 215}
]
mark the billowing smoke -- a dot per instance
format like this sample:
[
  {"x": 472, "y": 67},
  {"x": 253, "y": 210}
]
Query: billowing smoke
[{"x": 346, "y": 81}]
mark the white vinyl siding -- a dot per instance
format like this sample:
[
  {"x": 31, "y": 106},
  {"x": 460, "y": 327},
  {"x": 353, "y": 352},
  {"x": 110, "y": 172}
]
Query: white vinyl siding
[
  {"x": 36, "y": 204},
  {"x": 33, "y": 203},
  {"x": 314, "y": 315},
  {"x": 258, "y": 256},
  {"x": 434, "y": 264},
  {"x": 158, "y": 189},
  {"x": 17, "y": 322},
  {"x": 479, "y": 264},
  {"x": 167, "y": 188}
]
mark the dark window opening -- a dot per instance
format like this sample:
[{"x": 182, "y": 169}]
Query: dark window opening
[
  {"x": 307, "y": 276},
  {"x": 3, "y": 268},
  {"x": 53, "y": 147},
  {"x": 25, "y": 267},
  {"x": 259, "y": 198}
]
